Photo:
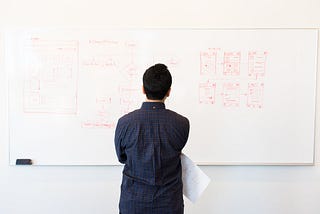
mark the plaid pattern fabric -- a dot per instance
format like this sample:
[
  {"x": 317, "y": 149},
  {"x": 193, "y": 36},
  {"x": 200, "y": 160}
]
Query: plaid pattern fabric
[{"x": 149, "y": 142}]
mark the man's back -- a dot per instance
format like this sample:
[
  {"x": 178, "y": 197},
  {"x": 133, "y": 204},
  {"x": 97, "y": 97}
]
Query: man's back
[{"x": 149, "y": 142}]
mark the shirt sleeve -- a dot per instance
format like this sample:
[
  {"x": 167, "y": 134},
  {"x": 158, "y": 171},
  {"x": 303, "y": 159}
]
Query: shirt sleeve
[
  {"x": 186, "y": 130},
  {"x": 118, "y": 140}
]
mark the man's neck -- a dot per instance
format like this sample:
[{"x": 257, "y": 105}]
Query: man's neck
[{"x": 157, "y": 101}]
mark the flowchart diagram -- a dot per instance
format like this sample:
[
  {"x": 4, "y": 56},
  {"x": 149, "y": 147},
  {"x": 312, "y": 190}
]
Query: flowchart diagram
[{"x": 58, "y": 74}]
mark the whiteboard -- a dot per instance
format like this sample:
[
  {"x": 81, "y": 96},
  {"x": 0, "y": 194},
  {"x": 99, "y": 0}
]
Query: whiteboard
[{"x": 249, "y": 94}]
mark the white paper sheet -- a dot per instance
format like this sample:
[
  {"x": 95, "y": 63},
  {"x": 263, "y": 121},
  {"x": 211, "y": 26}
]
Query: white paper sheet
[{"x": 195, "y": 181}]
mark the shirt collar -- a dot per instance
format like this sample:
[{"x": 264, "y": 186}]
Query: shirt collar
[{"x": 153, "y": 105}]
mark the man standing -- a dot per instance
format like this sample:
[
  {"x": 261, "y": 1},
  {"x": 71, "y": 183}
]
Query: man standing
[{"x": 149, "y": 142}]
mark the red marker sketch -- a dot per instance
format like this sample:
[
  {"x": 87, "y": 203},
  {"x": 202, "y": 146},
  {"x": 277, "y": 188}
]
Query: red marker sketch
[
  {"x": 208, "y": 60},
  {"x": 131, "y": 69},
  {"x": 207, "y": 93},
  {"x": 131, "y": 44},
  {"x": 130, "y": 66},
  {"x": 98, "y": 124},
  {"x": 50, "y": 84},
  {"x": 128, "y": 98},
  {"x": 102, "y": 55},
  {"x": 170, "y": 60},
  {"x": 33, "y": 100},
  {"x": 103, "y": 43},
  {"x": 32, "y": 83},
  {"x": 255, "y": 95},
  {"x": 232, "y": 63},
  {"x": 99, "y": 63},
  {"x": 257, "y": 63},
  {"x": 102, "y": 104},
  {"x": 103, "y": 115},
  {"x": 231, "y": 94}
]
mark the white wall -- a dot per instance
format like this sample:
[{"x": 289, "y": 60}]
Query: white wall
[{"x": 91, "y": 190}]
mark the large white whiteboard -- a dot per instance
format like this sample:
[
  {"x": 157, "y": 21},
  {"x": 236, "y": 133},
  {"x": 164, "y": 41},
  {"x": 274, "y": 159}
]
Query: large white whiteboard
[{"x": 249, "y": 94}]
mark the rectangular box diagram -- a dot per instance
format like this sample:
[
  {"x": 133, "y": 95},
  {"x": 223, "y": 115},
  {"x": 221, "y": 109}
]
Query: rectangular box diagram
[
  {"x": 50, "y": 82},
  {"x": 257, "y": 64},
  {"x": 231, "y": 95},
  {"x": 208, "y": 60},
  {"x": 207, "y": 93},
  {"x": 232, "y": 63},
  {"x": 255, "y": 95}
]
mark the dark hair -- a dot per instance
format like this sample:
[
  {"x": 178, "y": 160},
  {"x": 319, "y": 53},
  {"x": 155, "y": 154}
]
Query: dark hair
[{"x": 157, "y": 81}]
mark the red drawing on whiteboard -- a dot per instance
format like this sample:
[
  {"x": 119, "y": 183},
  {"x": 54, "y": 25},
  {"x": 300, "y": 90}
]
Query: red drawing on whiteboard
[
  {"x": 131, "y": 66},
  {"x": 208, "y": 60},
  {"x": 170, "y": 60},
  {"x": 255, "y": 95},
  {"x": 102, "y": 116},
  {"x": 257, "y": 63},
  {"x": 98, "y": 124},
  {"x": 51, "y": 74},
  {"x": 231, "y": 63},
  {"x": 128, "y": 98},
  {"x": 102, "y": 55},
  {"x": 103, "y": 43},
  {"x": 131, "y": 69},
  {"x": 103, "y": 103},
  {"x": 207, "y": 93},
  {"x": 99, "y": 63},
  {"x": 131, "y": 44},
  {"x": 32, "y": 83},
  {"x": 231, "y": 94},
  {"x": 32, "y": 100}
]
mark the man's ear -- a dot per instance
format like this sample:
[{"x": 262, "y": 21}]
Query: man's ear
[
  {"x": 168, "y": 92},
  {"x": 143, "y": 91}
]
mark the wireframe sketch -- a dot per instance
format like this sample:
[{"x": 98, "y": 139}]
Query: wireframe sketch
[
  {"x": 255, "y": 95},
  {"x": 257, "y": 64},
  {"x": 50, "y": 82},
  {"x": 207, "y": 93},
  {"x": 232, "y": 63},
  {"x": 208, "y": 61},
  {"x": 231, "y": 94}
]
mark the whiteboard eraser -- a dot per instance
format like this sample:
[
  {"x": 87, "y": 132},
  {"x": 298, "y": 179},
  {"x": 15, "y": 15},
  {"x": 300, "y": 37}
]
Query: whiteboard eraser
[{"x": 23, "y": 162}]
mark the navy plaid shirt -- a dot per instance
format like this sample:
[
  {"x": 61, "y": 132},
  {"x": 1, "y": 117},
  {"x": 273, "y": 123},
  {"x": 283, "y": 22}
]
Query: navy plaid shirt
[{"x": 149, "y": 142}]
